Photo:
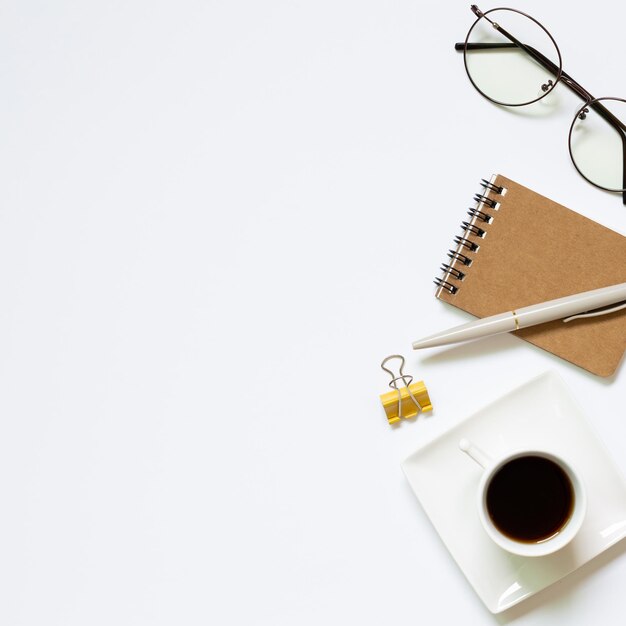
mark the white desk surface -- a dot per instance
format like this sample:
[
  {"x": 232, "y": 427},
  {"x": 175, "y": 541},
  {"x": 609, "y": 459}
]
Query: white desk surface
[{"x": 217, "y": 218}]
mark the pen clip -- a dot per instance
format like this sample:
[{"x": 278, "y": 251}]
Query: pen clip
[{"x": 596, "y": 313}]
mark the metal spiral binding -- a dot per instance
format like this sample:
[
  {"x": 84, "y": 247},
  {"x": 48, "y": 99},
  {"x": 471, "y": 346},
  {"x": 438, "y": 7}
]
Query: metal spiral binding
[
  {"x": 455, "y": 272},
  {"x": 466, "y": 247},
  {"x": 466, "y": 243},
  {"x": 485, "y": 200},
  {"x": 472, "y": 228},
  {"x": 491, "y": 187},
  {"x": 455, "y": 255},
  {"x": 444, "y": 284},
  {"x": 481, "y": 215}
]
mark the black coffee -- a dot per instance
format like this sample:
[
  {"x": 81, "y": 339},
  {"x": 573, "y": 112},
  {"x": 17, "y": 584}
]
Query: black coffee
[{"x": 530, "y": 499}]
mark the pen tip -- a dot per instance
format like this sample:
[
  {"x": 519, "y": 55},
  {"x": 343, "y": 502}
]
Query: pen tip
[{"x": 418, "y": 345}]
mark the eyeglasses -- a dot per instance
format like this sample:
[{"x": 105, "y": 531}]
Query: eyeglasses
[{"x": 522, "y": 68}]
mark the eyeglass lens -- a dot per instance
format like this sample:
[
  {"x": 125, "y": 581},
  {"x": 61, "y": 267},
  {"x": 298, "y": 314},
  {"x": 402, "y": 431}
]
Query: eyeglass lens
[
  {"x": 597, "y": 143},
  {"x": 503, "y": 71}
]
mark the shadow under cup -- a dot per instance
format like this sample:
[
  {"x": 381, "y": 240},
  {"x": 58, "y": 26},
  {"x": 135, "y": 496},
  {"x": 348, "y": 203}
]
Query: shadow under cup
[{"x": 532, "y": 503}]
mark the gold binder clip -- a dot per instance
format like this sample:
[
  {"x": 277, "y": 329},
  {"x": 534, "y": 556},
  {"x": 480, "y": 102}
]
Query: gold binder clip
[{"x": 406, "y": 401}]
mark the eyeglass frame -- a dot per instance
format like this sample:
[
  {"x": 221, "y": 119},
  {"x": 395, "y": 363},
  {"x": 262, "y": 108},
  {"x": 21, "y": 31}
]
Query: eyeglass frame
[{"x": 559, "y": 74}]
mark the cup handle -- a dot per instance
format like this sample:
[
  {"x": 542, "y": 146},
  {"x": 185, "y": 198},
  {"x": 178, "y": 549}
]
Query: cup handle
[{"x": 476, "y": 454}]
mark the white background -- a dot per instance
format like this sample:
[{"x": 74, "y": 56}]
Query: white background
[{"x": 217, "y": 218}]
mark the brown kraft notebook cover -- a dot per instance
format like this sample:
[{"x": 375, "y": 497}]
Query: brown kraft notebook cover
[{"x": 522, "y": 249}]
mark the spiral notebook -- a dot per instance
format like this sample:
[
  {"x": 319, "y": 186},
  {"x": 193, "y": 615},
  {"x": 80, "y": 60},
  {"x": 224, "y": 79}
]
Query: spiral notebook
[{"x": 519, "y": 248}]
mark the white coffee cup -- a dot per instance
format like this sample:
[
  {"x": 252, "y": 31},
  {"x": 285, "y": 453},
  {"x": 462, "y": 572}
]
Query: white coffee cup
[{"x": 523, "y": 548}]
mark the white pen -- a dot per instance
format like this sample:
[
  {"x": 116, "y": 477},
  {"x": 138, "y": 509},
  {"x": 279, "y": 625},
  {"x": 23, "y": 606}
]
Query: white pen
[{"x": 568, "y": 308}]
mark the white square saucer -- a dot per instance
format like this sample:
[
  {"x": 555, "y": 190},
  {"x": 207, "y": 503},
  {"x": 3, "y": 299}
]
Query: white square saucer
[{"x": 540, "y": 414}]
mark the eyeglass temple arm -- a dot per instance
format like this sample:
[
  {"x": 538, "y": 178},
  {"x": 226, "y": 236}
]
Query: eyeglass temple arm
[
  {"x": 578, "y": 89},
  {"x": 574, "y": 86}
]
